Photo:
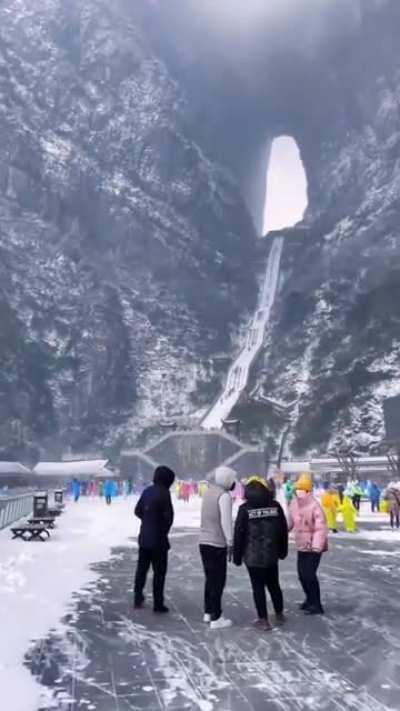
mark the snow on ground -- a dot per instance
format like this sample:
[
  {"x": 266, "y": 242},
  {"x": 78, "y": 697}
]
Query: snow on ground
[
  {"x": 38, "y": 580},
  {"x": 187, "y": 515},
  {"x": 385, "y": 535},
  {"x": 382, "y": 532}
]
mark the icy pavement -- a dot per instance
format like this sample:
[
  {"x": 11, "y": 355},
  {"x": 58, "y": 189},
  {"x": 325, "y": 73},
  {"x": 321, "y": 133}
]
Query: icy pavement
[
  {"x": 69, "y": 615},
  {"x": 38, "y": 580},
  {"x": 238, "y": 374}
]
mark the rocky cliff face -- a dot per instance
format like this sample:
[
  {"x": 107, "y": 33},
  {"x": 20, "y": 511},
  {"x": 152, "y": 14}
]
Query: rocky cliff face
[
  {"x": 133, "y": 152},
  {"x": 125, "y": 247},
  {"x": 332, "y": 353}
]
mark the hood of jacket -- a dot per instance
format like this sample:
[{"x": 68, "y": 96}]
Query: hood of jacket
[
  {"x": 257, "y": 495},
  {"x": 225, "y": 477},
  {"x": 164, "y": 476}
]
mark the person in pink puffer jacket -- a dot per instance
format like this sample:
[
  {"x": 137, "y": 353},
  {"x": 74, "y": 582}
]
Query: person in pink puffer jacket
[{"x": 307, "y": 519}]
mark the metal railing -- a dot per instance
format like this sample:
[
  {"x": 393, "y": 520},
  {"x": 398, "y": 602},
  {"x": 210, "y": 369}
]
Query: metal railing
[{"x": 15, "y": 507}]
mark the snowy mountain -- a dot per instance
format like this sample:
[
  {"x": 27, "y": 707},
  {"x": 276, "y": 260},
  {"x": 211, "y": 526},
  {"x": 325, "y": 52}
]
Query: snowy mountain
[
  {"x": 134, "y": 144},
  {"x": 328, "y": 74},
  {"x": 332, "y": 353},
  {"x": 123, "y": 244}
]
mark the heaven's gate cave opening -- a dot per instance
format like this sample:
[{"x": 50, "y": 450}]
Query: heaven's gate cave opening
[{"x": 286, "y": 190}]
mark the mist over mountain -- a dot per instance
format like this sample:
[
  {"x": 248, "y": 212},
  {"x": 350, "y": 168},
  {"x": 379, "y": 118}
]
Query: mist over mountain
[{"x": 134, "y": 146}]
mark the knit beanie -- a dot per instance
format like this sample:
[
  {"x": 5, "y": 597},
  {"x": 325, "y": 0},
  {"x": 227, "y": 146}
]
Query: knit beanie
[{"x": 304, "y": 483}]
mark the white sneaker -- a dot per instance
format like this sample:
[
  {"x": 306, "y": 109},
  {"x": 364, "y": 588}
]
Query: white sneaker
[
  {"x": 207, "y": 617},
  {"x": 221, "y": 624}
]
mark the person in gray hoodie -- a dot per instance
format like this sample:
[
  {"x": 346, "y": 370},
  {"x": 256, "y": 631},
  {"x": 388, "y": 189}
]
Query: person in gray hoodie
[{"x": 216, "y": 543}]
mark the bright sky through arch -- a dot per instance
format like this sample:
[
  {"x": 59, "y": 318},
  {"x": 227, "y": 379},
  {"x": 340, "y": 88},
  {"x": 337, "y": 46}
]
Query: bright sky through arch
[{"x": 286, "y": 193}]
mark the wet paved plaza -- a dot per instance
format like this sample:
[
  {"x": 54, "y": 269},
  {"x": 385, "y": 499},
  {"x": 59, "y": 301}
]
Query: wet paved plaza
[{"x": 112, "y": 658}]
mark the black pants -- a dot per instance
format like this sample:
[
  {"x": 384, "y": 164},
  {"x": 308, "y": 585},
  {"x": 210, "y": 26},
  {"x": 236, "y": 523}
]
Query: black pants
[
  {"x": 357, "y": 501},
  {"x": 307, "y": 566},
  {"x": 108, "y": 499},
  {"x": 158, "y": 559},
  {"x": 374, "y": 505},
  {"x": 395, "y": 519},
  {"x": 215, "y": 563},
  {"x": 262, "y": 578}
]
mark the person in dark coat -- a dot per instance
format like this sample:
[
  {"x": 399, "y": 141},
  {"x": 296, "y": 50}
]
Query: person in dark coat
[
  {"x": 261, "y": 540},
  {"x": 156, "y": 513}
]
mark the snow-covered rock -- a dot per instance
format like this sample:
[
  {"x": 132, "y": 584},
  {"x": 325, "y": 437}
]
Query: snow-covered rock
[{"x": 122, "y": 242}]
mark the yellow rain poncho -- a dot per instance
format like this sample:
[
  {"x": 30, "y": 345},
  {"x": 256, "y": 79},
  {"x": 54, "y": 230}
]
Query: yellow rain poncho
[
  {"x": 384, "y": 506},
  {"x": 349, "y": 514},
  {"x": 202, "y": 488},
  {"x": 330, "y": 502}
]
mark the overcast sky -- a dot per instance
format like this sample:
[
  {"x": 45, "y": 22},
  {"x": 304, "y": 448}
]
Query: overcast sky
[{"x": 286, "y": 197}]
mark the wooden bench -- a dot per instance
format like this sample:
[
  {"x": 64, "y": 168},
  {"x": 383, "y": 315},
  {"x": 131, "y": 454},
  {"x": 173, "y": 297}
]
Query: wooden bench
[
  {"x": 30, "y": 533},
  {"x": 46, "y": 521}
]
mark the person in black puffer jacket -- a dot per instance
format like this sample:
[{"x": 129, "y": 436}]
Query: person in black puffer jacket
[
  {"x": 156, "y": 513},
  {"x": 261, "y": 540}
]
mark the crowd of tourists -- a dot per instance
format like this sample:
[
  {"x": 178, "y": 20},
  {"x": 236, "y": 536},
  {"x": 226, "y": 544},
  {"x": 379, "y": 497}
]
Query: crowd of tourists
[
  {"x": 346, "y": 501},
  {"x": 185, "y": 490},
  {"x": 341, "y": 504},
  {"x": 258, "y": 539},
  {"x": 107, "y": 488}
]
